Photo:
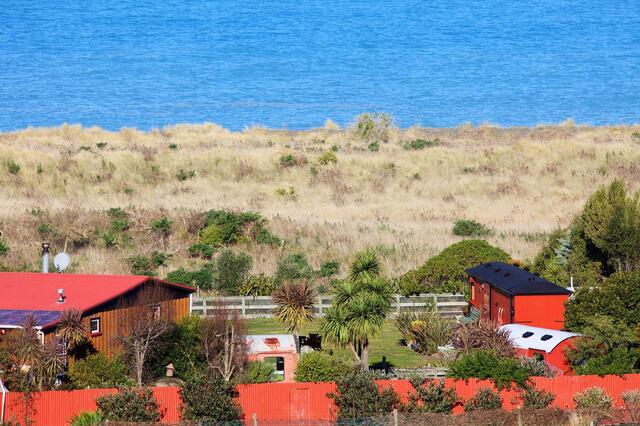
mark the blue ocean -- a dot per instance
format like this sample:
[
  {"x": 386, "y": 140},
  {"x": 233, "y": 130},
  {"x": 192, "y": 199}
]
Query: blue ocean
[{"x": 293, "y": 64}]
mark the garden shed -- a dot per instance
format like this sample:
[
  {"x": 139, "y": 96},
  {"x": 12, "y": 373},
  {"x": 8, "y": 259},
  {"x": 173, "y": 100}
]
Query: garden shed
[
  {"x": 278, "y": 349},
  {"x": 542, "y": 343},
  {"x": 507, "y": 294}
]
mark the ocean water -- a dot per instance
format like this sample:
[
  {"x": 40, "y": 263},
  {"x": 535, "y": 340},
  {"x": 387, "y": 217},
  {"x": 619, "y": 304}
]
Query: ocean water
[{"x": 293, "y": 64}]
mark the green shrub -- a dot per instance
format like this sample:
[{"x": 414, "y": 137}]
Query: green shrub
[
  {"x": 201, "y": 250},
  {"x": 99, "y": 371},
  {"x": 101, "y": 145},
  {"x": 184, "y": 174},
  {"x": 484, "y": 399},
  {"x": 537, "y": 399},
  {"x": 224, "y": 228},
  {"x": 618, "y": 298},
  {"x": 13, "y": 167},
  {"x": 141, "y": 265},
  {"x": 258, "y": 285},
  {"x": 290, "y": 160},
  {"x": 611, "y": 348},
  {"x": 371, "y": 127},
  {"x": 231, "y": 270},
  {"x": 419, "y": 144},
  {"x": 374, "y": 147},
  {"x": 45, "y": 229},
  {"x": 159, "y": 259},
  {"x": 87, "y": 418},
  {"x": 117, "y": 213},
  {"x": 593, "y": 397},
  {"x": 293, "y": 266},
  {"x": 214, "y": 236},
  {"x": 202, "y": 278},
  {"x": 4, "y": 248},
  {"x": 129, "y": 405},
  {"x": 431, "y": 397},
  {"x": 209, "y": 399},
  {"x": 445, "y": 272},
  {"x": 635, "y": 136},
  {"x": 182, "y": 346},
  {"x": 358, "y": 397},
  {"x": 330, "y": 268},
  {"x": 110, "y": 239},
  {"x": 482, "y": 364},
  {"x": 319, "y": 366},
  {"x": 258, "y": 372},
  {"x": 162, "y": 226},
  {"x": 470, "y": 228},
  {"x": 328, "y": 157},
  {"x": 264, "y": 236},
  {"x": 287, "y": 160}
]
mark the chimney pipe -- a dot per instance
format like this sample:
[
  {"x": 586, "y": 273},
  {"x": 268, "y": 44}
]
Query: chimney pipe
[
  {"x": 45, "y": 258},
  {"x": 61, "y": 295}
]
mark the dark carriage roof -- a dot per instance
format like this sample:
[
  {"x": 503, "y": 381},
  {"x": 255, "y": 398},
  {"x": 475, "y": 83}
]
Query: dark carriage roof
[{"x": 513, "y": 280}]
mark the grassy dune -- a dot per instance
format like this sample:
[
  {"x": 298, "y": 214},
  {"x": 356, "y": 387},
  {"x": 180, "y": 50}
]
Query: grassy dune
[{"x": 523, "y": 182}]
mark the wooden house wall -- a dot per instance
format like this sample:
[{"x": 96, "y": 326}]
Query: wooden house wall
[{"x": 119, "y": 316}]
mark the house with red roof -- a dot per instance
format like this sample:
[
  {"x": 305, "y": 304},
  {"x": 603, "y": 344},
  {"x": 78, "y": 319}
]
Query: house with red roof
[{"x": 107, "y": 303}]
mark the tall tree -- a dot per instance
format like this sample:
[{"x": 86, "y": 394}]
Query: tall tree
[
  {"x": 142, "y": 327},
  {"x": 224, "y": 341},
  {"x": 360, "y": 307}
]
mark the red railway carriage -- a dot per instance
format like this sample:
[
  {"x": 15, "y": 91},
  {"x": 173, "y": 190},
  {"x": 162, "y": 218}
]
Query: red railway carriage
[{"x": 507, "y": 294}]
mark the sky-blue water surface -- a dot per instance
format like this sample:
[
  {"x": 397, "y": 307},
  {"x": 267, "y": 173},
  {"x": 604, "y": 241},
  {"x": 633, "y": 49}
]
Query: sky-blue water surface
[{"x": 293, "y": 64}]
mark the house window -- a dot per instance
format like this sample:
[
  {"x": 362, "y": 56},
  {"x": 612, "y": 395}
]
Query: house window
[
  {"x": 156, "y": 312},
  {"x": 95, "y": 325}
]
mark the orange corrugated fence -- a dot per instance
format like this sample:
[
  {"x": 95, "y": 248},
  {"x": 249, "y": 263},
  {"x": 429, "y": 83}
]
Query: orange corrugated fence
[{"x": 294, "y": 401}]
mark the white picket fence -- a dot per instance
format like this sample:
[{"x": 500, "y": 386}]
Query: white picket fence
[{"x": 447, "y": 304}]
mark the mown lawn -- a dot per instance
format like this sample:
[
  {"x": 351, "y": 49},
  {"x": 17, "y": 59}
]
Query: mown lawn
[{"x": 387, "y": 344}]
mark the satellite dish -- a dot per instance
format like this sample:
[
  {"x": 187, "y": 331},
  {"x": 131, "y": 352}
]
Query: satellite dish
[{"x": 61, "y": 261}]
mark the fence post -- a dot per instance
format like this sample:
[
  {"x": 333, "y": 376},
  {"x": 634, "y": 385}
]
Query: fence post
[
  {"x": 244, "y": 308},
  {"x": 255, "y": 419},
  {"x": 320, "y": 307},
  {"x": 397, "y": 303},
  {"x": 395, "y": 417},
  {"x": 435, "y": 303}
]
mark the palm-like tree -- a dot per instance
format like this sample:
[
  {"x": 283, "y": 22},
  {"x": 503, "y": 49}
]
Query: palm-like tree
[
  {"x": 295, "y": 302},
  {"x": 70, "y": 329},
  {"x": 360, "y": 307}
]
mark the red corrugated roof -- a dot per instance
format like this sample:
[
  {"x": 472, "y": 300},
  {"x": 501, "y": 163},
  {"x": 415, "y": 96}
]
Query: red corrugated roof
[{"x": 37, "y": 291}]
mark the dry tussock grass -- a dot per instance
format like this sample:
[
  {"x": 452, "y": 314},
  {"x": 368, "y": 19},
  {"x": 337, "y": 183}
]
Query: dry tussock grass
[{"x": 523, "y": 182}]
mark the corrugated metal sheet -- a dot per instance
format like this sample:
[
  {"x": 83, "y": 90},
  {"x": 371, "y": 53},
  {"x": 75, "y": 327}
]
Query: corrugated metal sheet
[{"x": 295, "y": 401}]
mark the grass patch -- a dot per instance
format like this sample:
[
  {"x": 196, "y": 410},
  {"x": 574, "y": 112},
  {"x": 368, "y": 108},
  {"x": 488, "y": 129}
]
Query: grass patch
[{"x": 387, "y": 344}]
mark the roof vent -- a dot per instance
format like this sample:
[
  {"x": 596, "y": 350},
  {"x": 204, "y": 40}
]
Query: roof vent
[
  {"x": 497, "y": 270},
  {"x": 546, "y": 337},
  {"x": 527, "y": 334},
  {"x": 61, "y": 295},
  {"x": 487, "y": 265},
  {"x": 508, "y": 274},
  {"x": 531, "y": 279}
]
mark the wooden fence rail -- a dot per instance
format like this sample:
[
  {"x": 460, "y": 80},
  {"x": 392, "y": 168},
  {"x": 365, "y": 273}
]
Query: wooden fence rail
[{"x": 450, "y": 305}]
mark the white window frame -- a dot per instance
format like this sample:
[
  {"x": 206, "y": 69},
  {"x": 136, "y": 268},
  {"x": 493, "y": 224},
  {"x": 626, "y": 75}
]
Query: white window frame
[{"x": 95, "y": 320}]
